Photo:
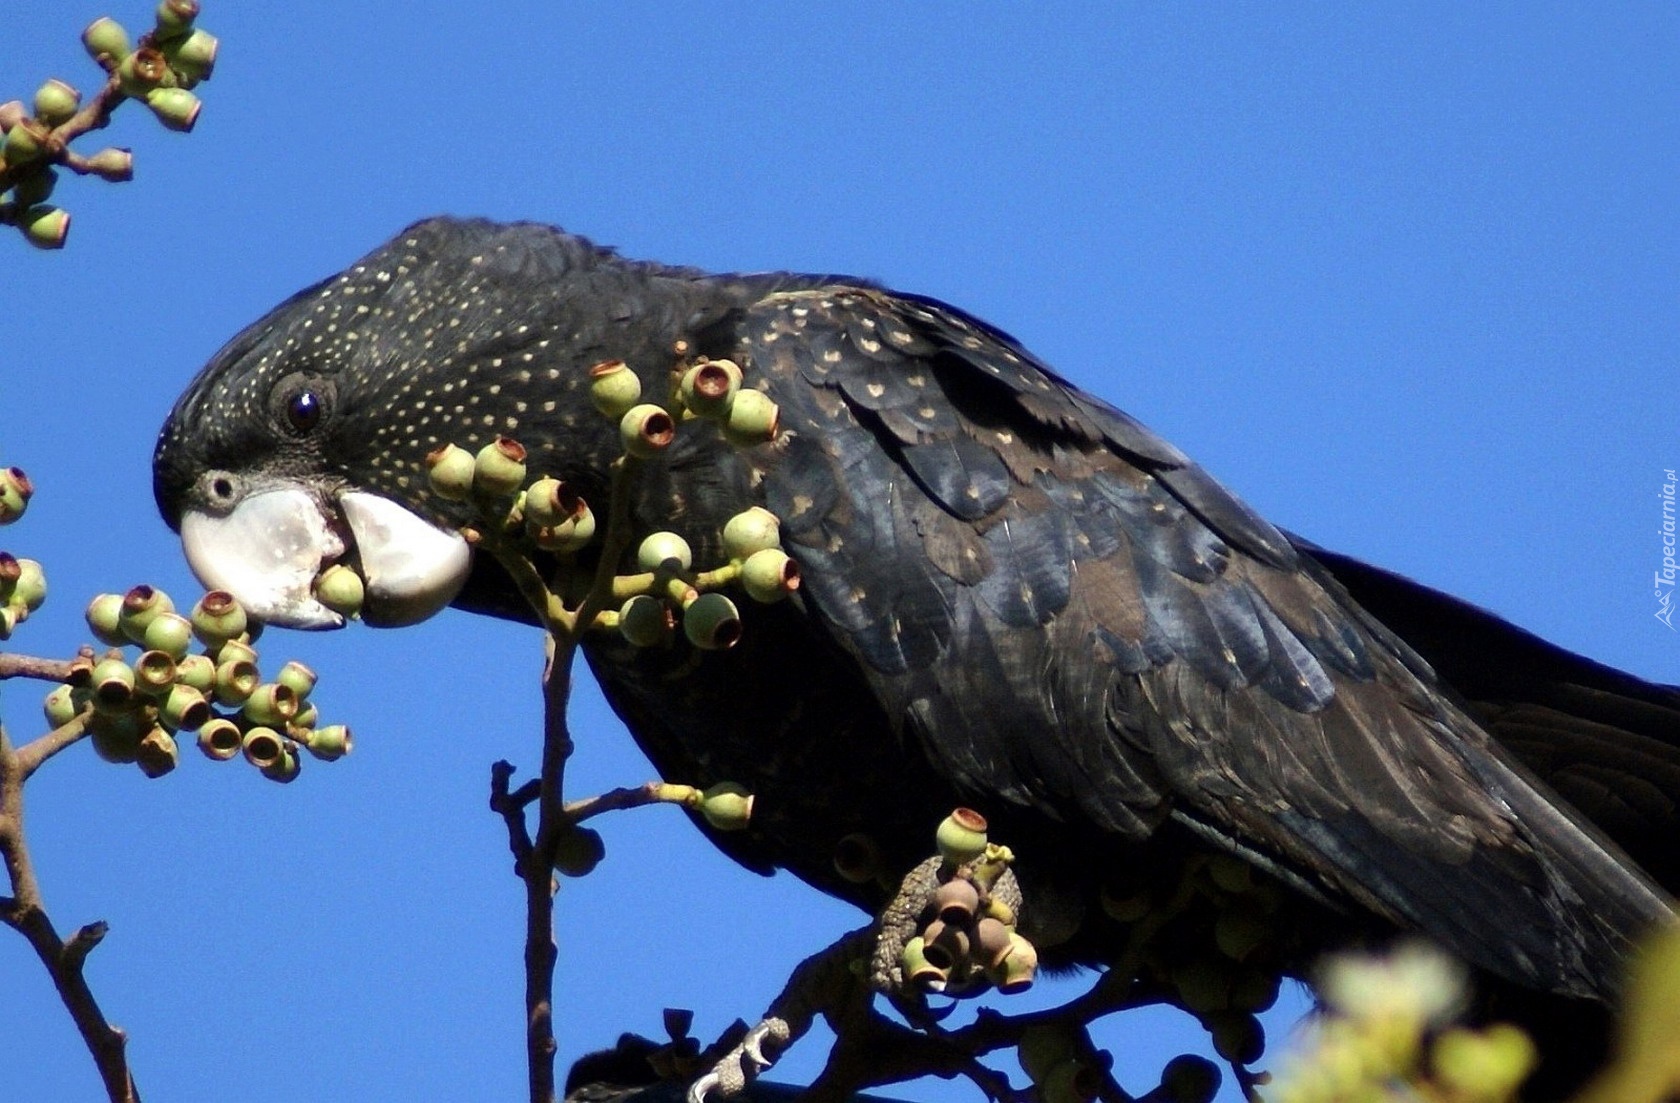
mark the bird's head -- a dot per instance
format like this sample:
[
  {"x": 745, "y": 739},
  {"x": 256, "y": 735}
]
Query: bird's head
[{"x": 303, "y": 441}]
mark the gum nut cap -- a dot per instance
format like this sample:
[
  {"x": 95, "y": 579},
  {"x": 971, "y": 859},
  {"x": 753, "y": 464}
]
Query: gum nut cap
[
  {"x": 1189, "y": 1078},
  {"x": 645, "y": 621},
  {"x": 46, "y": 227},
  {"x": 727, "y": 806},
  {"x": 170, "y": 633},
  {"x": 30, "y": 588},
  {"x": 499, "y": 468},
  {"x": 961, "y": 836},
  {"x": 709, "y": 387},
  {"x": 330, "y": 743},
  {"x": 578, "y": 851},
  {"x": 450, "y": 469},
  {"x": 56, "y": 101},
  {"x": 751, "y": 530},
  {"x": 140, "y": 605},
  {"x": 105, "y": 36},
  {"x": 218, "y": 617},
  {"x": 646, "y": 430},
  {"x": 61, "y": 706},
  {"x": 664, "y": 550},
  {"x": 157, "y": 753},
  {"x": 220, "y": 739},
  {"x": 299, "y": 678},
  {"x": 613, "y": 388},
  {"x": 753, "y": 418},
  {"x": 712, "y": 623},
  {"x": 103, "y": 619},
  {"x": 340, "y": 589},
  {"x": 769, "y": 575}
]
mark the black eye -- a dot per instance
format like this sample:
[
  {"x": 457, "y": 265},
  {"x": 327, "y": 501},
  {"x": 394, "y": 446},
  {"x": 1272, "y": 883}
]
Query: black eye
[{"x": 303, "y": 411}]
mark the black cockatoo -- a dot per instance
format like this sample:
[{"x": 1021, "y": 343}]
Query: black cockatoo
[{"x": 1014, "y": 597}]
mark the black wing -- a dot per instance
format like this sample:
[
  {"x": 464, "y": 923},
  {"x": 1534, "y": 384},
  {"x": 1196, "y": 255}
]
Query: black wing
[{"x": 1072, "y": 617}]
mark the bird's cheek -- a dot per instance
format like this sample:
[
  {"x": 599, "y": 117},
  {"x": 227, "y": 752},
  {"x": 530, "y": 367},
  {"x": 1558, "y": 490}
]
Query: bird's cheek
[
  {"x": 411, "y": 568},
  {"x": 266, "y": 552}
]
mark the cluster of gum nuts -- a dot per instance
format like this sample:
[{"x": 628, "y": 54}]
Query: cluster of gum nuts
[
  {"x": 556, "y": 519},
  {"x": 23, "y": 586},
  {"x": 172, "y": 58},
  {"x": 139, "y": 706}
]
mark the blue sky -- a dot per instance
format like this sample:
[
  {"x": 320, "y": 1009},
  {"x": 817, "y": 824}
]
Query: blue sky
[{"x": 1402, "y": 277}]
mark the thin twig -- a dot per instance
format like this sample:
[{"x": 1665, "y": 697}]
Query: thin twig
[{"x": 28, "y": 666}]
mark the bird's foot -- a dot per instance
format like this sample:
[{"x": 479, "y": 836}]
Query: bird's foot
[{"x": 742, "y": 1064}]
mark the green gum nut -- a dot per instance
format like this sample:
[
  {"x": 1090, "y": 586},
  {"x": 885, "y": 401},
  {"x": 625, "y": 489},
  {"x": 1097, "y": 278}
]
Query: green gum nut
[
  {"x": 45, "y": 227},
  {"x": 306, "y": 717},
  {"x": 185, "y": 709},
  {"x": 36, "y": 188},
  {"x": 570, "y": 535},
  {"x": 753, "y": 419},
  {"x": 710, "y": 386},
  {"x": 235, "y": 649},
  {"x": 157, "y": 753},
  {"x": 857, "y": 858},
  {"x": 270, "y": 704},
  {"x": 1237, "y": 1037},
  {"x": 262, "y": 746},
  {"x": 56, "y": 102},
  {"x": 664, "y": 551},
  {"x": 154, "y": 673},
  {"x": 1486, "y": 1065},
  {"x": 10, "y": 617},
  {"x": 29, "y": 588},
  {"x": 1189, "y": 1078},
  {"x": 105, "y": 37},
  {"x": 1018, "y": 968},
  {"x": 103, "y": 619},
  {"x": 63, "y": 705},
  {"x": 547, "y": 503},
  {"x": 991, "y": 942},
  {"x": 299, "y": 678},
  {"x": 646, "y": 430},
  {"x": 1072, "y": 1081},
  {"x": 712, "y": 623},
  {"x": 193, "y": 58},
  {"x": 235, "y": 681},
  {"x": 176, "y": 108},
  {"x": 727, "y": 806},
  {"x": 961, "y": 837},
  {"x": 751, "y": 530},
  {"x": 12, "y": 112},
  {"x": 613, "y": 388},
  {"x": 450, "y": 469},
  {"x": 945, "y": 944},
  {"x": 645, "y": 621},
  {"x": 220, "y": 739},
  {"x": 139, "y": 606},
  {"x": 1044, "y": 1047},
  {"x": 918, "y": 970},
  {"x": 499, "y": 468},
  {"x": 113, "y": 165},
  {"x": 26, "y": 141},
  {"x": 174, "y": 19},
  {"x": 329, "y": 744},
  {"x": 198, "y": 671},
  {"x": 143, "y": 72},
  {"x": 769, "y": 575},
  {"x": 285, "y": 769},
  {"x": 340, "y": 589},
  {"x": 217, "y": 617},
  {"x": 170, "y": 633},
  {"x": 15, "y": 492},
  {"x": 113, "y": 683},
  {"x": 115, "y": 737},
  {"x": 578, "y": 851}
]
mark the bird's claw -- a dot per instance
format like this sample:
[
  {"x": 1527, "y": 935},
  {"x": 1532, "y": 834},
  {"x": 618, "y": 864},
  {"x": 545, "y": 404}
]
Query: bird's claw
[{"x": 742, "y": 1064}]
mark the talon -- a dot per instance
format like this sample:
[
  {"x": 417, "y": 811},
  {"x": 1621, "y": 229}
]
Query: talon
[{"x": 697, "y": 1090}]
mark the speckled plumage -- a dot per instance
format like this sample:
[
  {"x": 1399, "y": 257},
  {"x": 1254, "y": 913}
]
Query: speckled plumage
[{"x": 1014, "y": 596}]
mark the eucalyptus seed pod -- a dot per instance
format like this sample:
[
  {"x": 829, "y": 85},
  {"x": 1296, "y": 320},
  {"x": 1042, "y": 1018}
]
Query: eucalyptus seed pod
[
  {"x": 154, "y": 673},
  {"x": 957, "y": 900},
  {"x": 1189, "y": 1078},
  {"x": 991, "y": 942},
  {"x": 220, "y": 738},
  {"x": 170, "y": 633},
  {"x": 235, "y": 650},
  {"x": 176, "y": 108},
  {"x": 12, "y": 112},
  {"x": 45, "y": 227},
  {"x": 299, "y": 678},
  {"x": 546, "y": 503},
  {"x": 751, "y": 530},
  {"x": 29, "y": 588},
  {"x": 918, "y": 970},
  {"x": 499, "y": 468},
  {"x": 645, "y": 621},
  {"x": 1237, "y": 1037},
  {"x": 710, "y": 386},
  {"x": 184, "y": 709},
  {"x": 271, "y": 704},
  {"x": 578, "y": 851},
  {"x": 614, "y": 388},
  {"x": 753, "y": 419},
  {"x": 192, "y": 58},
  {"x": 15, "y": 492},
  {"x": 197, "y": 671},
  {"x": 341, "y": 589},
  {"x": 113, "y": 683},
  {"x": 1046, "y": 1046},
  {"x": 646, "y": 430},
  {"x": 105, "y": 38},
  {"x": 330, "y": 743},
  {"x": 26, "y": 142},
  {"x": 112, "y": 165},
  {"x": 570, "y": 535},
  {"x": 769, "y": 575},
  {"x": 712, "y": 623},
  {"x": 140, "y": 605},
  {"x": 174, "y": 19},
  {"x": 284, "y": 769},
  {"x": 157, "y": 753},
  {"x": 262, "y": 746},
  {"x": 236, "y": 679},
  {"x": 450, "y": 469},
  {"x": 10, "y": 617},
  {"x": 306, "y": 717},
  {"x": 218, "y": 617},
  {"x": 946, "y": 945},
  {"x": 103, "y": 619},
  {"x": 1018, "y": 968},
  {"x": 857, "y": 858},
  {"x": 56, "y": 102},
  {"x": 664, "y": 551},
  {"x": 143, "y": 72},
  {"x": 727, "y": 806},
  {"x": 961, "y": 837},
  {"x": 115, "y": 736},
  {"x": 63, "y": 705},
  {"x": 36, "y": 188}
]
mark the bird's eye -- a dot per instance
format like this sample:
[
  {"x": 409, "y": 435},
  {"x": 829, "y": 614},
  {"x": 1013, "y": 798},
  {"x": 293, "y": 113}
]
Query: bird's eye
[{"x": 303, "y": 411}]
